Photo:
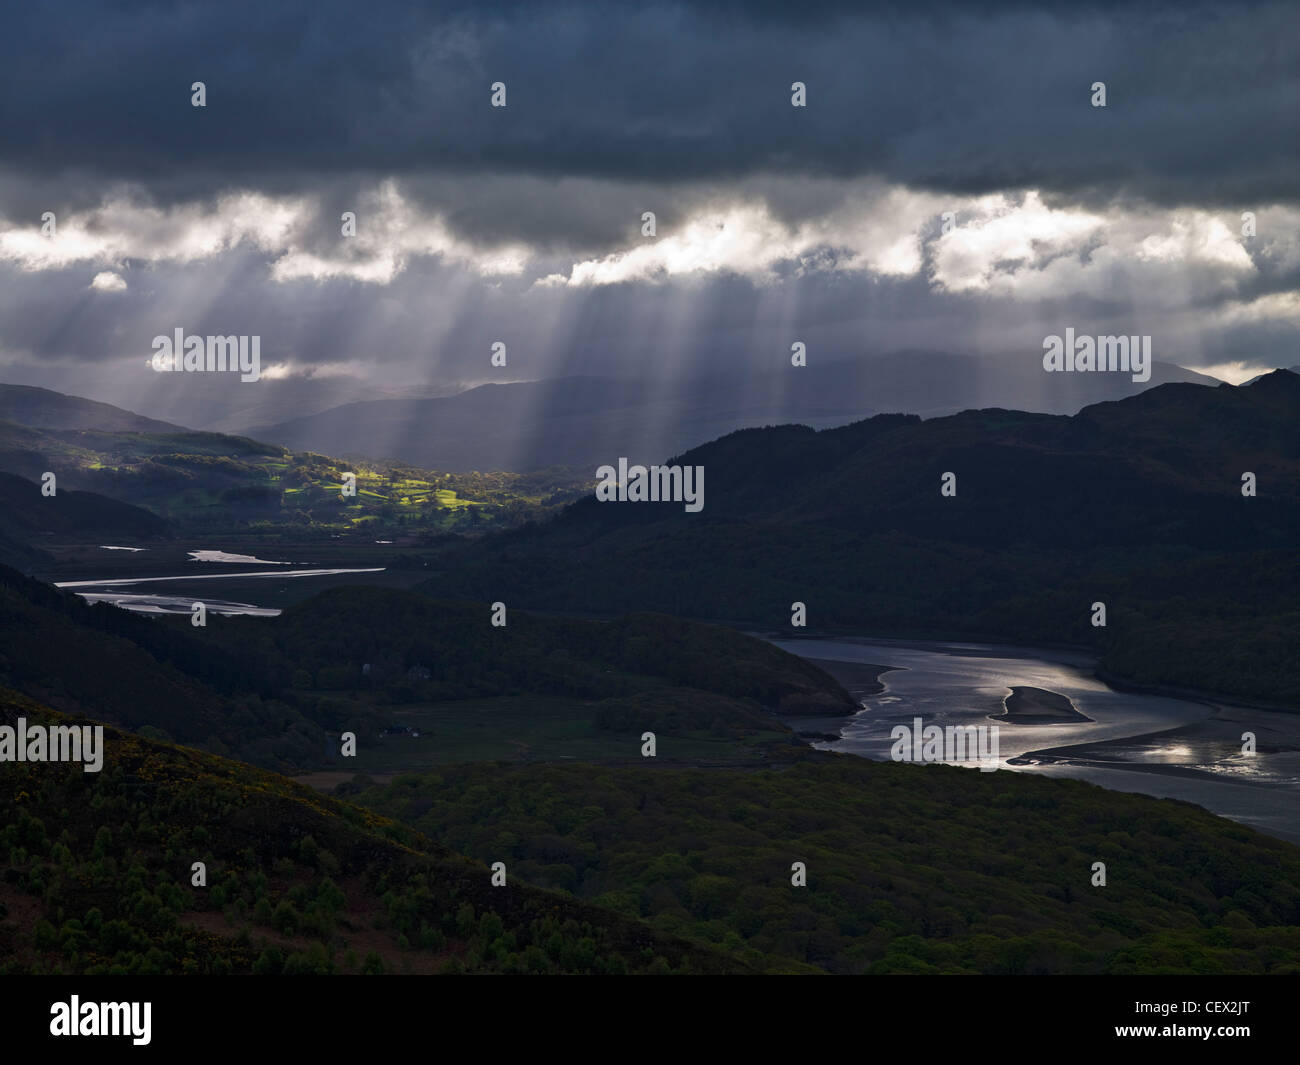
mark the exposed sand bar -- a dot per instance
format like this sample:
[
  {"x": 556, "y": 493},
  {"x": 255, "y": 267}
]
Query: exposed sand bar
[{"x": 1037, "y": 706}]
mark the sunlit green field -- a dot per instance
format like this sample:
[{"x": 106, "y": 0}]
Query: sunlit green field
[{"x": 214, "y": 483}]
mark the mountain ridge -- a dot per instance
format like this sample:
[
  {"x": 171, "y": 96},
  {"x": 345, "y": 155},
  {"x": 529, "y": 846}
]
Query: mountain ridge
[
  {"x": 44, "y": 408},
  {"x": 583, "y": 420}
]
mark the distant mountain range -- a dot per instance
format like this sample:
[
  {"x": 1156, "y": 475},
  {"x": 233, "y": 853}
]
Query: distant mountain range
[
  {"x": 1291, "y": 369},
  {"x": 580, "y": 421},
  {"x": 224, "y": 404},
  {"x": 588, "y": 421}
]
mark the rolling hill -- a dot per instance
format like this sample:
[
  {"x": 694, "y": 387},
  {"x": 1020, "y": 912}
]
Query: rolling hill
[
  {"x": 207, "y": 484},
  {"x": 1137, "y": 503},
  {"x": 30, "y": 520},
  {"x": 42, "y": 408}
]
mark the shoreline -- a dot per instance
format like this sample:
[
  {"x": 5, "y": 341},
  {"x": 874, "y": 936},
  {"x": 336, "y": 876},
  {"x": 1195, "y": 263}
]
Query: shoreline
[
  {"x": 1193, "y": 695},
  {"x": 857, "y": 678}
]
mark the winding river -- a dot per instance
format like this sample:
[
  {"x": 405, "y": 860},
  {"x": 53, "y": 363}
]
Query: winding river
[{"x": 136, "y": 593}]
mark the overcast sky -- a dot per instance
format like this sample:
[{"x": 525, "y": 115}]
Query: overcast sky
[{"x": 523, "y": 224}]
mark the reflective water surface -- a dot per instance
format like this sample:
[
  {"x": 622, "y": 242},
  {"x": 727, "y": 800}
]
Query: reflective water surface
[
  {"x": 143, "y": 602},
  {"x": 1156, "y": 745}
]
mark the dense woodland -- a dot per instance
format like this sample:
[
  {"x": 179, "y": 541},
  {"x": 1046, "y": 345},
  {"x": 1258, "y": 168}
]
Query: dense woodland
[{"x": 910, "y": 868}]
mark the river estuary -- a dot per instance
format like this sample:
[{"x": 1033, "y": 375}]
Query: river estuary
[{"x": 1155, "y": 745}]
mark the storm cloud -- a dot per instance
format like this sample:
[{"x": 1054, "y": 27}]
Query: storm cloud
[{"x": 949, "y": 184}]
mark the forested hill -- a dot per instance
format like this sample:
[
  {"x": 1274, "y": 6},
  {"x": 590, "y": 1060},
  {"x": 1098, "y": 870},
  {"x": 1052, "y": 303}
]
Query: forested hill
[
  {"x": 464, "y": 654},
  {"x": 1136, "y": 503},
  {"x": 28, "y": 517},
  {"x": 100, "y": 880}
]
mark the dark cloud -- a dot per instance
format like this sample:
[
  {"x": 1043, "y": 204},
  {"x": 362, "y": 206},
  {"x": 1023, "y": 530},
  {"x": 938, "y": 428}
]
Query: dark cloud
[{"x": 1203, "y": 103}]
